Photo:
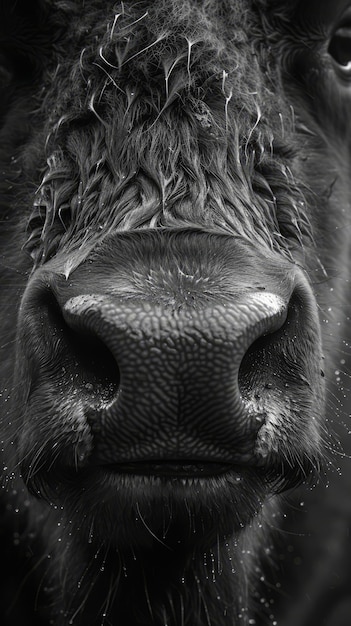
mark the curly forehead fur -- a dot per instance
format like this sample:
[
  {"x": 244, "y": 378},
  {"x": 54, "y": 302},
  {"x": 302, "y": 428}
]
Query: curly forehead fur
[{"x": 163, "y": 116}]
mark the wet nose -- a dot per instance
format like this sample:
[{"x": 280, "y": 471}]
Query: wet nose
[{"x": 178, "y": 389}]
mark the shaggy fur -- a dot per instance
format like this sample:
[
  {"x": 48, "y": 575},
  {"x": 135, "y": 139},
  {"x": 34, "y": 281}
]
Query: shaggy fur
[{"x": 179, "y": 155}]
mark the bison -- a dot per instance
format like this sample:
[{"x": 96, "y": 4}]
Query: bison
[{"x": 175, "y": 188}]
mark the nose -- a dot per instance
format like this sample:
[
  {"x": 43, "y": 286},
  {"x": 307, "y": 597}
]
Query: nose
[
  {"x": 156, "y": 380},
  {"x": 178, "y": 390},
  {"x": 169, "y": 350},
  {"x": 158, "y": 348}
]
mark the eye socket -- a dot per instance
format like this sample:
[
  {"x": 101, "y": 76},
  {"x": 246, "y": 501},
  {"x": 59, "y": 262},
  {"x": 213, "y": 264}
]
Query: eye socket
[{"x": 340, "y": 47}]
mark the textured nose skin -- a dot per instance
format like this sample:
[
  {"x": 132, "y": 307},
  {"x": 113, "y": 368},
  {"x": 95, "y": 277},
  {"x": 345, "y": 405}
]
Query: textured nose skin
[{"x": 179, "y": 394}]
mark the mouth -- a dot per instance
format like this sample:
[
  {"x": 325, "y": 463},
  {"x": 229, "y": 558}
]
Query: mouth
[{"x": 172, "y": 469}]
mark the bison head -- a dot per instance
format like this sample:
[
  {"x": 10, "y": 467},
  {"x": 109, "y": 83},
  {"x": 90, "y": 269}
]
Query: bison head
[{"x": 175, "y": 193}]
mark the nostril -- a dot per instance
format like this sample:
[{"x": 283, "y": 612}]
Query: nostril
[
  {"x": 79, "y": 357},
  {"x": 272, "y": 362}
]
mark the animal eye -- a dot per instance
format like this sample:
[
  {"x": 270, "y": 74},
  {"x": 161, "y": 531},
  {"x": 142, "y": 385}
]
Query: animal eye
[{"x": 340, "y": 47}]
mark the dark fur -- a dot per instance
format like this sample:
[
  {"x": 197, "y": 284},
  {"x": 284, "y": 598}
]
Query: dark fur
[{"x": 204, "y": 135}]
